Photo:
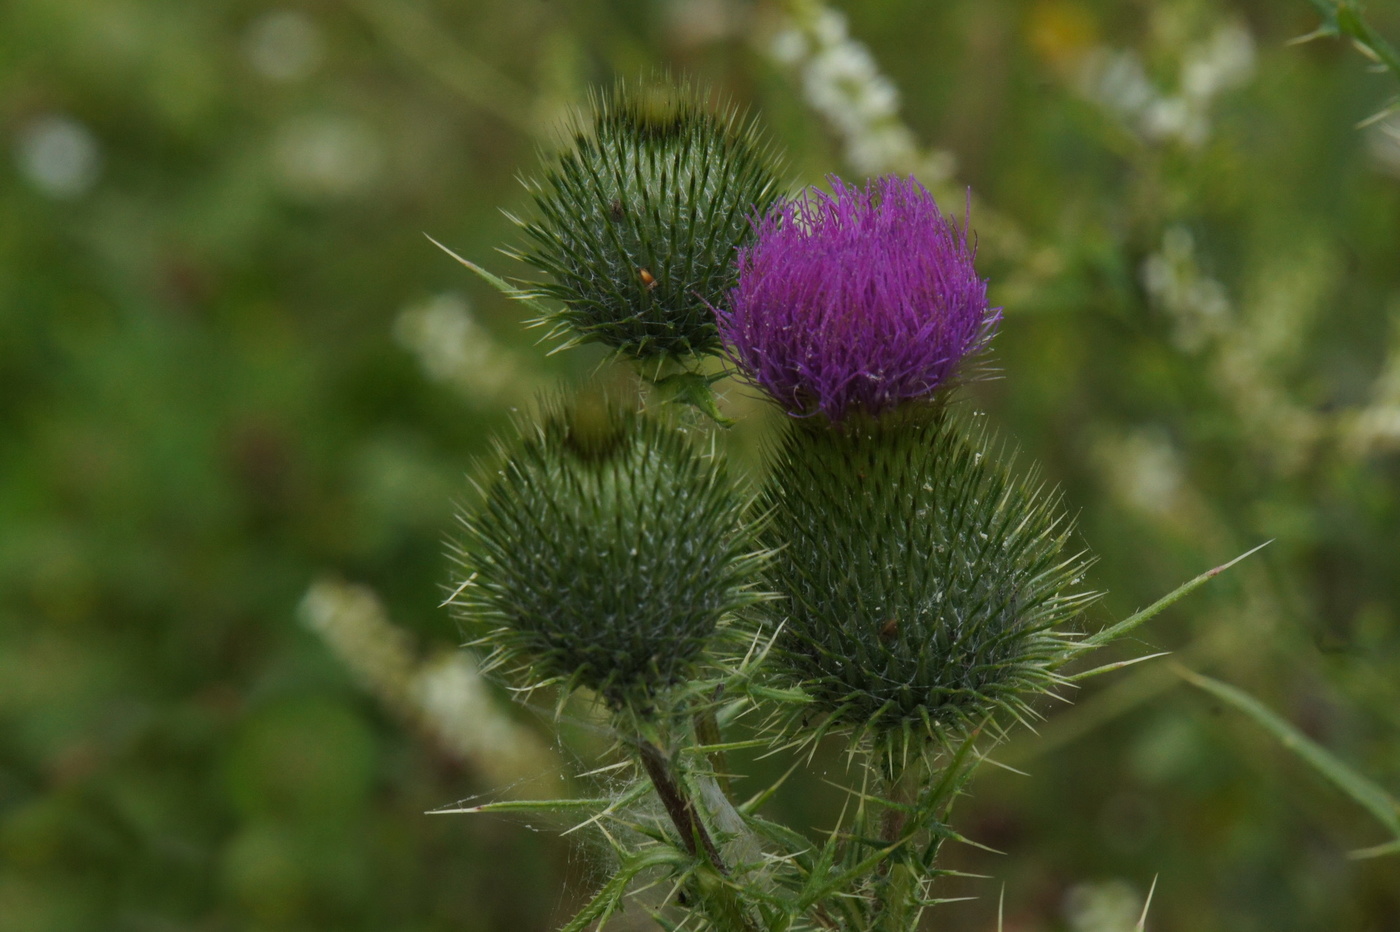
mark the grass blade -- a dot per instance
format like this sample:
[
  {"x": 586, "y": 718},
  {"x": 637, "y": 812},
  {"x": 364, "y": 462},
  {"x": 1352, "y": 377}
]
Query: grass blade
[{"x": 1367, "y": 794}]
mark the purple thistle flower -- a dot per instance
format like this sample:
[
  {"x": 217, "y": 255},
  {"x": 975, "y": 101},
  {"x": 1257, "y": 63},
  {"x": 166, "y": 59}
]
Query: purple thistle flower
[{"x": 857, "y": 300}]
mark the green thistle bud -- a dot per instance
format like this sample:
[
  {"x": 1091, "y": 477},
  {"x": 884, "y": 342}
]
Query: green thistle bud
[
  {"x": 605, "y": 553},
  {"x": 639, "y": 220},
  {"x": 924, "y": 582}
]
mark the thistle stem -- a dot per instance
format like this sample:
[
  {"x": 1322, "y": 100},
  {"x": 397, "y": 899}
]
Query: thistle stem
[
  {"x": 898, "y": 882},
  {"x": 707, "y": 732},
  {"x": 728, "y": 908},
  {"x": 678, "y": 806}
]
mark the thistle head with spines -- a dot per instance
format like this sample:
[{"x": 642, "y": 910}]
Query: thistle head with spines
[
  {"x": 606, "y": 552},
  {"x": 926, "y": 584},
  {"x": 638, "y": 219}
]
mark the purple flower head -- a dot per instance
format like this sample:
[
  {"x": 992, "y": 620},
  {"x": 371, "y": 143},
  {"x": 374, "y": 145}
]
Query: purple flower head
[{"x": 857, "y": 300}]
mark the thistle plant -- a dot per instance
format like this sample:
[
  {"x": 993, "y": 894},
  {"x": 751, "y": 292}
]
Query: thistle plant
[
  {"x": 894, "y": 582},
  {"x": 925, "y": 583}
]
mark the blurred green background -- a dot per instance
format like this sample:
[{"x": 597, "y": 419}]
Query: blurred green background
[{"x": 231, "y": 366}]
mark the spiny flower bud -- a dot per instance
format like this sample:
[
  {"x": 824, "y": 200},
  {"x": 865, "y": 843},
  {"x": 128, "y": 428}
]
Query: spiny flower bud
[
  {"x": 605, "y": 553},
  {"x": 639, "y": 219},
  {"x": 924, "y": 582},
  {"x": 856, "y": 301}
]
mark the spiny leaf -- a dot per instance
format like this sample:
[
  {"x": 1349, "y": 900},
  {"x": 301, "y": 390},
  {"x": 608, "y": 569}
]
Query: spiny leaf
[
  {"x": 607, "y": 900},
  {"x": 1111, "y": 667},
  {"x": 1390, "y": 847},
  {"x": 1136, "y": 620},
  {"x": 526, "y": 805},
  {"x": 1142, "y": 919},
  {"x": 495, "y": 281}
]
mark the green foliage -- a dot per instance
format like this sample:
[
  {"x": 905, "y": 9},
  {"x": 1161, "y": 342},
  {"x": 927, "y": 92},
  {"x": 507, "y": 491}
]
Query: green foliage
[
  {"x": 924, "y": 583},
  {"x": 639, "y": 218},
  {"x": 1382, "y": 805},
  {"x": 203, "y": 408},
  {"x": 605, "y": 552},
  {"x": 1344, "y": 18}
]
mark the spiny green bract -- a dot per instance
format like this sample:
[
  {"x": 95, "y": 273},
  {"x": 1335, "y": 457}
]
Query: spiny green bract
[
  {"x": 604, "y": 554},
  {"x": 923, "y": 581},
  {"x": 639, "y": 220}
]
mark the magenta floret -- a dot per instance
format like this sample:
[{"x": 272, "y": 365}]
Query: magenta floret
[{"x": 858, "y": 300}]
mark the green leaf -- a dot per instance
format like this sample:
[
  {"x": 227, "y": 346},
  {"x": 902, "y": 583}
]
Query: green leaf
[
  {"x": 693, "y": 388},
  {"x": 607, "y": 900},
  {"x": 1389, "y": 847},
  {"x": 1375, "y": 799},
  {"x": 1110, "y": 667},
  {"x": 495, "y": 281},
  {"x": 602, "y": 905},
  {"x": 788, "y": 696},
  {"x": 746, "y": 744},
  {"x": 1132, "y": 622},
  {"x": 795, "y": 843},
  {"x": 1343, "y": 18},
  {"x": 527, "y": 805}
]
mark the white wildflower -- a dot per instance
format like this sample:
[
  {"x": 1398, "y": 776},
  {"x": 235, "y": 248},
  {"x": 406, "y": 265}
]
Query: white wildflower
[
  {"x": 444, "y": 695},
  {"x": 788, "y": 47},
  {"x": 327, "y": 155},
  {"x": 284, "y": 45},
  {"x": 1221, "y": 63},
  {"x": 1118, "y": 81},
  {"x": 1144, "y": 471},
  {"x": 1175, "y": 283},
  {"x": 842, "y": 82},
  {"x": 1110, "y": 906},
  {"x": 452, "y": 348},
  {"x": 58, "y": 156}
]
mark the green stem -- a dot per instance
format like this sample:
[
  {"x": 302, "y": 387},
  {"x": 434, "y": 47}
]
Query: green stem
[
  {"x": 718, "y": 897},
  {"x": 678, "y": 806},
  {"x": 900, "y": 885},
  {"x": 707, "y": 732}
]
